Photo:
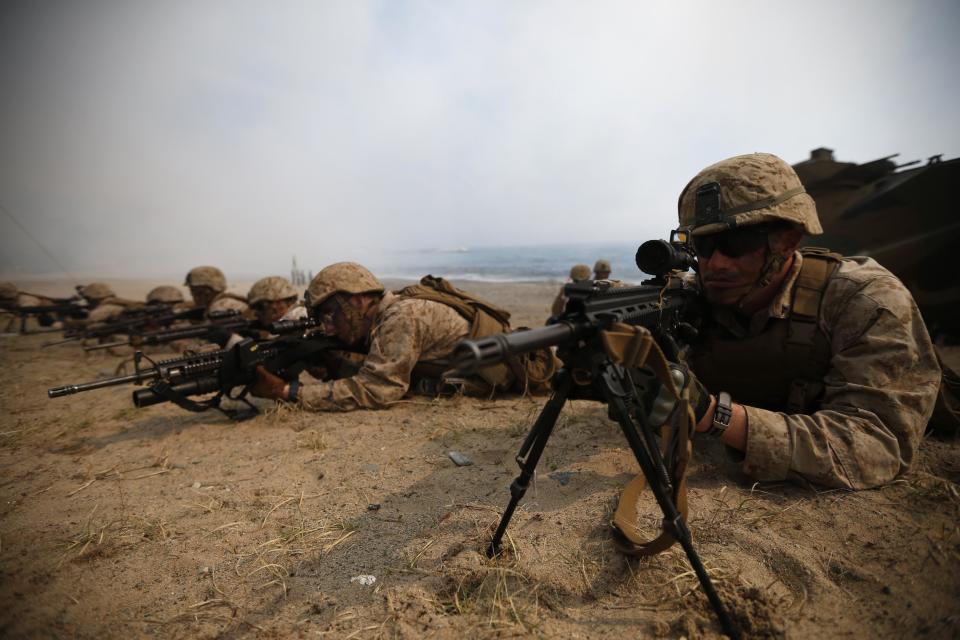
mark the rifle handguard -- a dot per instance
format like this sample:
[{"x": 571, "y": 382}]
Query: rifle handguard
[{"x": 469, "y": 356}]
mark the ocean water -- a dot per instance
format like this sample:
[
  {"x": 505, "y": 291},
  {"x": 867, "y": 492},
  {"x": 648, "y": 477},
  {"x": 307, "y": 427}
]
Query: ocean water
[{"x": 508, "y": 264}]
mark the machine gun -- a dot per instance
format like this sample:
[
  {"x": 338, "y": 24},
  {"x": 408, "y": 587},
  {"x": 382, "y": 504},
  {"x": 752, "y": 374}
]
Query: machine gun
[
  {"x": 666, "y": 307},
  {"x": 220, "y": 372},
  {"x": 136, "y": 319}
]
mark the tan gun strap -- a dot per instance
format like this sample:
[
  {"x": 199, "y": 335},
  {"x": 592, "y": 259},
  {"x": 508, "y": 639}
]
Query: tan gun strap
[{"x": 633, "y": 346}]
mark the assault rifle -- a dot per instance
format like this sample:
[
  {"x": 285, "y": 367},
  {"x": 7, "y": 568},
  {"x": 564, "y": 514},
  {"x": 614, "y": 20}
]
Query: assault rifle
[
  {"x": 135, "y": 319},
  {"x": 220, "y": 372},
  {"x": 670, "y": 311},
  {"x": 217, "y": 331},
  {"x": 47, "y": 314}
]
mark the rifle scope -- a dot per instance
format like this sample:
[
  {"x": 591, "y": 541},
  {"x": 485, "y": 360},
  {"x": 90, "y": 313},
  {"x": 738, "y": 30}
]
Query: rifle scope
[{"x": 659, "y": 257}]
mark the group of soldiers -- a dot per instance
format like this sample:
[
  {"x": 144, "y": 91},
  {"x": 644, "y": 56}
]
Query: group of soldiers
[
  {"x": 808, "y": 366},
  {"x": 580, "y": 273}
]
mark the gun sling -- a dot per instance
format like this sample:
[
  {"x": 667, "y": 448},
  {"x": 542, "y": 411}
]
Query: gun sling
[{"x": 634, "y": 347}]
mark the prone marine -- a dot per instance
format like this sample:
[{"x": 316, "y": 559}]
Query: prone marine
[
  {"x": 405, "y": 336},
  {"x": 819, "y": 367},
  {"x": 208, "y": 288}
]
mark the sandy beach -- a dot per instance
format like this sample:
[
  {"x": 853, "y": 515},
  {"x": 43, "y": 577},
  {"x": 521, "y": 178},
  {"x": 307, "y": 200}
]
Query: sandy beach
[{"x": 123, "y": 522}]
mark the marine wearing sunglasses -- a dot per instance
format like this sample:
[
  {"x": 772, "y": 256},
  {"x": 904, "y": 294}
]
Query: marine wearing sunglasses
[{"x": 742, "y": 267}]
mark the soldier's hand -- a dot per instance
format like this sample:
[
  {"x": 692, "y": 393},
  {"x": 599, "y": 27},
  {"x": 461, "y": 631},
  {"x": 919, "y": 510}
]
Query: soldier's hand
[
  {"x": 699, "y": 396},
  {"x": 268, "y": 385},
  {"x": 663, "y": 403}
]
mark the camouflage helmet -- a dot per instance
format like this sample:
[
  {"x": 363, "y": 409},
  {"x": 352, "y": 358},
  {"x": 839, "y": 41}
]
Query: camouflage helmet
[
  {"x": 8, "y": 291},
  {"x": 270, "y": 289},
  {"x": 206, "y": 277},
  {"x": 580, "y": 272},
  {"x": 96, "y": 291},
  {"x": 746, "y": 190},
  {"x": 341, "y": 277},
  {"x": 602, "y": 265},
  {"x": 166, "y": 294}
]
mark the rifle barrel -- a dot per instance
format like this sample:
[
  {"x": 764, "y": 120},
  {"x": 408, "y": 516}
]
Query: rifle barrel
[
  {"x": 70, "y": 389},
  {"x": 163, "y": 336},
  {"x": 64, "y": 341},
  {"x": 471, "y": 355},
  {"x": 106, "y": 345}
]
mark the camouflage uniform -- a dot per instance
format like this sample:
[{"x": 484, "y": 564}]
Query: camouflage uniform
[
  {"x": 166, "y": 294},
  {"x": 104, "y": 303},
  {"x": 577, "y": 273},
  {"x": 880, "y": 386},
  {"x": 213, "y": 278},
  {"x": 10, "y": 296},
  {"x": 226, "y": 301},
  {"x": 405, "y": 331},
  {"x": 601, "y": 267},
  {"x": 108, "y": 309},
  {"x": 878, "y": 372}
]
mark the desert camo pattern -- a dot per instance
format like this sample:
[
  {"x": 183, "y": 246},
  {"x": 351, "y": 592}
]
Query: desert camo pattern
[
  {"x": 297, "y": 312},
  {"x": 228, "y": 302},
  {"x": 746, "y": 181},
  {"x": 270, "y": 289},
  {"x": 880, "y": 388},
  {"x": 106, "y": 311},
  {"x": 10, "y": 322},
  {"x": 405, "y": 331}
]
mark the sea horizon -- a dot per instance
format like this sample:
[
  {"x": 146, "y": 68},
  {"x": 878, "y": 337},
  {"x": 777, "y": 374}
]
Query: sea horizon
[{"x": 523, "y": 263}]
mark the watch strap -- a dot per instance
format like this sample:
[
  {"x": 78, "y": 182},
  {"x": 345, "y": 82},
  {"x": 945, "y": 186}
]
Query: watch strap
[
  {"x": 293, "y": 390},
  {"x": 722, "y": 414}
]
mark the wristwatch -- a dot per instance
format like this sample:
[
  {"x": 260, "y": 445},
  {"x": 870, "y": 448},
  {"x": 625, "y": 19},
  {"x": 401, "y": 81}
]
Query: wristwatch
[
  {"x": 722, "y": 414},
  {"x": 294, "y": 388}
]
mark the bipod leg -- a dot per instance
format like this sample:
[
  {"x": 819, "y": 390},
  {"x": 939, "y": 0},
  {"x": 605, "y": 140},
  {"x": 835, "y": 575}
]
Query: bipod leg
[
  {"x": 653, "y": 467},
  {"x": 530, "y": 454}
]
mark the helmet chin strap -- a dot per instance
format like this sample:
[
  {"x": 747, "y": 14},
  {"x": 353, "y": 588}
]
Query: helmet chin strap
[{"x": 774, "y": 263}]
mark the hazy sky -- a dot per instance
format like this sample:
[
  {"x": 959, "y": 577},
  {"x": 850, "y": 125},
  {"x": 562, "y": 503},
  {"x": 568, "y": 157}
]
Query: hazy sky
[{"x": 144, "y": 137}]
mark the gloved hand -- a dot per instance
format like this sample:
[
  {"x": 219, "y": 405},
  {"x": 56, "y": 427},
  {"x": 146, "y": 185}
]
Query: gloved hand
[
  {"x": 268, "y": 385},
  {"x": 699, "y": 396},
  {"x": 663, "y": 403}
]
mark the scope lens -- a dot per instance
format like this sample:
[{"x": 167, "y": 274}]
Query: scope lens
[{"x": 653, "y": 257}]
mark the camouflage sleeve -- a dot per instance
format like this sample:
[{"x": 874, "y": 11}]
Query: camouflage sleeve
[
  {"x": 104, "y": 313},
  {"x": 880, "y": 392},
  {"x": 383, "y": 378}
]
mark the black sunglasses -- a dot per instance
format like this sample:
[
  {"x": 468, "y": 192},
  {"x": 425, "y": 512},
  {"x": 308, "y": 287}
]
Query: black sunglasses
[{"x": 733, "y": 244}]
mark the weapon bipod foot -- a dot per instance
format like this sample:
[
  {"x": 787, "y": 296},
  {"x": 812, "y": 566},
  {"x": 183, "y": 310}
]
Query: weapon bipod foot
[{"x": 650, "y": 461}]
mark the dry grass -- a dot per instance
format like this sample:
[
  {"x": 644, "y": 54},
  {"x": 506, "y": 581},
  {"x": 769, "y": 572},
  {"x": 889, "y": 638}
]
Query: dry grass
[
  {"x": 312, "y": 440},
  {"x": 15, "y": 437},
  {"x": 931, "y": 487},
  {"x": 498, "y": 593},
  {"x": 288, "y": 416},
  {"x": 293, "y": 538},
  {"x": 90, "y": 537}
]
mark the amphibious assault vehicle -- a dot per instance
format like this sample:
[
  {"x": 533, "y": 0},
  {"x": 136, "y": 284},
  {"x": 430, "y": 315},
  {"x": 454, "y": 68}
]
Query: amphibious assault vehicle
[{"x": 901, "y": 215}]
